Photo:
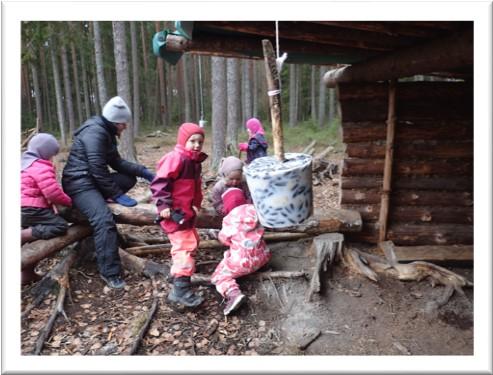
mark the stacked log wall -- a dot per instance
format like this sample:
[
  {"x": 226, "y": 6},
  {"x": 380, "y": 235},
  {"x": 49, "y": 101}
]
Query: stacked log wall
[{"x": 431, "y": 199}]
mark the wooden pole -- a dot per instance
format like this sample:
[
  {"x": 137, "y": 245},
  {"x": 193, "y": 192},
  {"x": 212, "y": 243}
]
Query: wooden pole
[
  {"x": 274, "y": 92},
  {"x": 387, "y": 172}
]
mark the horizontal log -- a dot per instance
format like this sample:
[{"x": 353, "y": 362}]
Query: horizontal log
[
  {"x": 449, "y": 183},
  {"x": 448, "y": 53},
  {"x": 442, "y": 234},
  {"x": 416, "y": 214},
  {"x": 417, "y": 234},
  {"x": 452, "y": 253},
  {"x": 311, "y": 32},
  {"x": 212, "y": 244},
  {"x": 384, "y": 27},
  {"x": 408, "y": 131},
  {"x": 353, "y": 166},
  {"x": 205, "y": 43},
  {"x": 374, "y": 109},
  {"x": 142, "y": 214},
  {"x": 406, "y": 91},
  {"x": 411, "y": 150},
  {"x": 33, "y": 252},
  {"x": 328, "y": 220},
  {"x": 408, "y": 197}
]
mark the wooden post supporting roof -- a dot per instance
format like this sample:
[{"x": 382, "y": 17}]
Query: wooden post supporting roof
[
  {"x": 387, "y": 171},
  {"x": 274, "y": 92},
  {"x": 445, "y": 54}
]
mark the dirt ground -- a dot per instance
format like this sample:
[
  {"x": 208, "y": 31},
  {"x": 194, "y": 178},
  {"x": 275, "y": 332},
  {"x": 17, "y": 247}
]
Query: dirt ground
[{"x": 352, "y": 315}]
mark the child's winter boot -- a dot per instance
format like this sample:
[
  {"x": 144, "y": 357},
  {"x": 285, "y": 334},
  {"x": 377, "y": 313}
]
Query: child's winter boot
[
  {"x": 234, "y": 299},
  {"x": 182, "y": 293}
]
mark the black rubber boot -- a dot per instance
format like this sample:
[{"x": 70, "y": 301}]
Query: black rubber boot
[{"x": 182, "y": 293}]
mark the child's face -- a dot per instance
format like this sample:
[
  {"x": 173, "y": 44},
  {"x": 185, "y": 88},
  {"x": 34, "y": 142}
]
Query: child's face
[
  {"x": 233, "y": 179},
  {"x": 195, "y": 142},
  {"x": 250, "y": 133}
]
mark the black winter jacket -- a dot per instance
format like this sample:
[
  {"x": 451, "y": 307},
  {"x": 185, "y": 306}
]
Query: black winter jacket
[{"x": 94, "y": 149}]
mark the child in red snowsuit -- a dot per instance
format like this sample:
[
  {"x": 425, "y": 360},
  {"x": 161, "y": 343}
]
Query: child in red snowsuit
[
  {"x": 177, "y": 190},
  {"x": 242, "y": 232}
]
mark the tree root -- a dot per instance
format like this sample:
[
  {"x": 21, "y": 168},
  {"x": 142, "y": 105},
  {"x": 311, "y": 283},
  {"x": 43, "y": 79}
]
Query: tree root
[
  {"x": 206, "y": 279},
  {"x": 371, "y": 265}
]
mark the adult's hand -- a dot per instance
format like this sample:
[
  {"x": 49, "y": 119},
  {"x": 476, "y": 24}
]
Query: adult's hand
[
  {"x": 125, "y": 200},
  {"x": 148, "y": 175}
]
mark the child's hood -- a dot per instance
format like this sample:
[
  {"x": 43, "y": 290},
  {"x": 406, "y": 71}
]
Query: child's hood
[{"x": 244, "y": 218}]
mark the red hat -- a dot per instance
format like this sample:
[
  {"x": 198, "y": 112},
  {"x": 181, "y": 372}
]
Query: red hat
[
  {"x": 186, "y": 131},
  {"x": 233, "y": 197}
]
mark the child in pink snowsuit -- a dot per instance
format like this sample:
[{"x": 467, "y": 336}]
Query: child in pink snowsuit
[
  {"x": 40, "y": 192},
  {"x": 176, "y": 190},
  {"x": 242, "y": 232},
  {"x": 256, "y": 146}
]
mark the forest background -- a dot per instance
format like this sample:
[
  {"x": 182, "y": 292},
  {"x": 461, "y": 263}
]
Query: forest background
[{"x": 70, "y": 69}]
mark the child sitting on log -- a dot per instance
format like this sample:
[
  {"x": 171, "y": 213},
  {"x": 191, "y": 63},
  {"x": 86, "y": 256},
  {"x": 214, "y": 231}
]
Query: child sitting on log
[
  {"x": 242, "y": 232},
  {"x": 256, "y": 146},
  {"x": 231, "y": 175},
  {"x": 40, "y": 192},
  {"x": 177, "y": 192}
]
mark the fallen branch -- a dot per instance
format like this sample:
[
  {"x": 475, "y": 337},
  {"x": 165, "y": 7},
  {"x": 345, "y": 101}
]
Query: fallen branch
[
  {"x": 211, "y": 244},
  {"x": 57, "y": 276},
  {"x": 206, "y": 279},
  {"x": 145, "y": 267},
  {"x": 142, "y": 330}
]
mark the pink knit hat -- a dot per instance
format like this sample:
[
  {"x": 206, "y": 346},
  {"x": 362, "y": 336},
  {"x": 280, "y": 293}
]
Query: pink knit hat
[
  {"x": 186, "y": 131},
  {"x": 233, "y": 197},
  {"x": 255, "y": 126}
]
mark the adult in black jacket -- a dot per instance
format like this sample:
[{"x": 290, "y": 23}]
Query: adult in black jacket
[{"x": 88, "y": 181}]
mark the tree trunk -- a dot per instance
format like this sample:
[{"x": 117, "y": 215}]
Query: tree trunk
[
  {"x": 98, "y": 54},
  {"x": 163, "y": 108},
  {"x": 219, "y": 111},
  {"x": 68, "y": 91},
  {"x": 37, "y": 96},
  {"x": 76, "y": 82},
  {"x": 255, "y": 88},
  {"x": 313, "y": 106},
  {"x": 26, "y": 91},
  {"x": 292, "y": 96},
  {"x": 321, "y": 100},
  {"x": 247, "y": 91},
  {"x": 233, "y": 99},
  {"x": 45, "y": 88},
  {"x": 85, "y": 86},
  {"x": 136, "y": 79},
  {"x": 127, "y": 147},
  {"x": 58, "y": 95},
  {"x": 186, "y": 88}
]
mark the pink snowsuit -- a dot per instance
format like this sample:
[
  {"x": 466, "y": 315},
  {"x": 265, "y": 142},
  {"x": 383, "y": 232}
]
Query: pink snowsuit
[{"x": 242, "y": 232}]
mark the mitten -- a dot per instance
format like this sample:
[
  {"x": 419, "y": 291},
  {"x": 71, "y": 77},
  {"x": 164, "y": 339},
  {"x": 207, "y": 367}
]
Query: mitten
[
  {"x": 125, "y": 200},
  {"x": 243, "y": 146},
  {"x": 148, "y": 175}
]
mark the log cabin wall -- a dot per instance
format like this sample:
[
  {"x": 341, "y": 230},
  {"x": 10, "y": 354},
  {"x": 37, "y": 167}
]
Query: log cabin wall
[{"x": 431, "y": 198}]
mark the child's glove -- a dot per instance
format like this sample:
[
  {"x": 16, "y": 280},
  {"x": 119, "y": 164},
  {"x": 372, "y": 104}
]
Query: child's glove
[
  {"x": 125, "y": 200},
  {"x": 243, "y": 146},
  {"x": 148, "y": 175}
]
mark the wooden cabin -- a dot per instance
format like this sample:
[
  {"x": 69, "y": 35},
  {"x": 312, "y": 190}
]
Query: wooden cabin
[{"x": 409, "y": 165}]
